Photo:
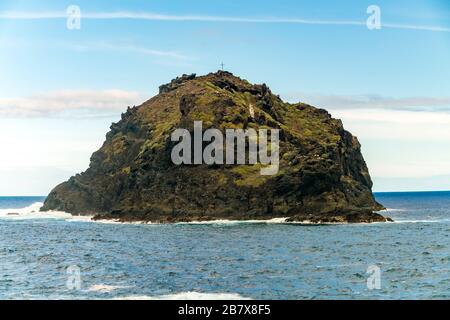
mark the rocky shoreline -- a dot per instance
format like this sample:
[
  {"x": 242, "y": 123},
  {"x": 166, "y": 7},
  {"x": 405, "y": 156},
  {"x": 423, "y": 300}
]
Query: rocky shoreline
[{"x": 329, "y": 218}]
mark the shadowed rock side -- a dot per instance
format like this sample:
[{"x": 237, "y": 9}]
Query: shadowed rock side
[{"x": 322, "y": 176}]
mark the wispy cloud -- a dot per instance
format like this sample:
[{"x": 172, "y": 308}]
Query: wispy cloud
[
  {"x": 101, "y": 102},
  {"x": 102, "y": 46},
  {"x": 416, "y": 27},
  {"x": 130, "y": 15},
  {"x": 126, "y": 47},
  {"x": 373, "y": 102},
  {"x": 59, "y": 103},
  {"x": 395, "y": 117}
]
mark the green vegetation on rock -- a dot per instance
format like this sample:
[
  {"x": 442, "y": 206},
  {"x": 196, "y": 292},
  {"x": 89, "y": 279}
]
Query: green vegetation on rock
[{"x": 322, "y": 175}]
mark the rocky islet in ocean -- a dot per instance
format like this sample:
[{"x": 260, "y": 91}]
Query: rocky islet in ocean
[{"x": 322, "y": 176}]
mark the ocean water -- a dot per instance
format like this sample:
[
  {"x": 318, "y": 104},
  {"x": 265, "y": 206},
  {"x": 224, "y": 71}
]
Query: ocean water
[{"x": 56, "y": 256}]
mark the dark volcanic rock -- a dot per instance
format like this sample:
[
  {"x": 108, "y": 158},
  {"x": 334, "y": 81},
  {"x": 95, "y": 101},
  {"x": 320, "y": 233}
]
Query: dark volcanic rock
[
  {"x": 322, "y": 176},
  {"x": 175, "y": 83}
]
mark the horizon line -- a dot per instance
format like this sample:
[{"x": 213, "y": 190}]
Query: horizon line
[{"x": 412, "y": 191}]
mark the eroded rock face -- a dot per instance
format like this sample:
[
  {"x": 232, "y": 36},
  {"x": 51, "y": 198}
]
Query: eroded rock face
[{"x": 322, "y": 176}]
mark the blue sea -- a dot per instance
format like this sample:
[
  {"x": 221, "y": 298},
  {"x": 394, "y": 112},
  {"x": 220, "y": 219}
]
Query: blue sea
[{"x": 56, "y": 256}]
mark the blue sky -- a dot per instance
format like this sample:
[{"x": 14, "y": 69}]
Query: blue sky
[{"x": 60, "y": 89}]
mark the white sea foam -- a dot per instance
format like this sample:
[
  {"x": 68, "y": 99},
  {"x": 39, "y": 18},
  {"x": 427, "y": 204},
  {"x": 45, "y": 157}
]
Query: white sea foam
[
  {"x": 32, "y": 212},
  {"x": 188, "y": 296},
  {"x": 233, "y": 222},
  {"x": 104, "y": 288},
  {"x": 422, "y": 221},
  {"x": 393, "y": 210},
  {"x": 22, "y": 211},
  {"x": 224, "y": 222},
  {"x": 116, "y": 221}
]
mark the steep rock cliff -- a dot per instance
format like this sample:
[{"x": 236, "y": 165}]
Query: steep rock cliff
[{"x": 322, "y": 177}]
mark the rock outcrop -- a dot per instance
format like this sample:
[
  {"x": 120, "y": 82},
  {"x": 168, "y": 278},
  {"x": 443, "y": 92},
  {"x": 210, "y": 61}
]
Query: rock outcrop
[{"x": 322, "y": 177}]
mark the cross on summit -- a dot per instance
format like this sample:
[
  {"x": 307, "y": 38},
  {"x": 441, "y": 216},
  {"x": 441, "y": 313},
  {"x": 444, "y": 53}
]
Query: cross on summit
[{"x": 222, "y": 64}]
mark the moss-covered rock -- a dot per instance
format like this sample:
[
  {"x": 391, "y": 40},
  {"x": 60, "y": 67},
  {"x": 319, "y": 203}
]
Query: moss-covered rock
[{"x": 322, "y": 175}]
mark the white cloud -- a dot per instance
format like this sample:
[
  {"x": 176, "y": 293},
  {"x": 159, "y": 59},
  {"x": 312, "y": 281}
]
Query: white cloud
[
  {"x": 130, "y": 15},
  {"x": 416, "y": 27},
  {"x": 61, "y": 102},
  {"x": 100, "y": 47},
  {"x": 373, "y": 102},
  {"x": 398, "y": 126},
  {"x": 41, "y": 15},
  {"x": 39, "y": 153},
  {"x": 433, "y": 183},
  {"x": 401, "y": 143},
  {"x": 105, "y": 46},
  {"x": 31, "y": 181},
  {"x": 395, "y": 117}
]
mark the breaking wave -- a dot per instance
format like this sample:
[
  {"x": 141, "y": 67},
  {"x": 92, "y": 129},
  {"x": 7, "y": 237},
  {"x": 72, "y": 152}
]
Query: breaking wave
[
  {"x": 32, "y": 212},
  {"x": 422, "y": 221},
  {"x": 233, "y": 222},
  {"x": 393, "y": 210},
  {"x": 188, "y": 296},
  {"x": 104, "y": 288}
]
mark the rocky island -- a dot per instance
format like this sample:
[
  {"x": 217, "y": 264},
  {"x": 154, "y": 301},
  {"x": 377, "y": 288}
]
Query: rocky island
[{"x": 322, "y": 176}]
